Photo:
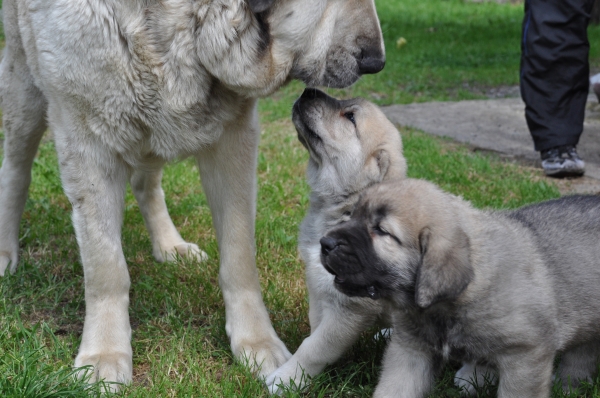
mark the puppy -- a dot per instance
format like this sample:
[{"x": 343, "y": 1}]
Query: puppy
[
  {"x": 510, "y": 289},
  {"x": 352, "y": 146}
]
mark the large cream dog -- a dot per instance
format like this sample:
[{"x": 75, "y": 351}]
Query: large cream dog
[
  {"x": 128, "y": 85},
  {"x": 510, "y": 289},
  {"x": 352, "y": 146}
]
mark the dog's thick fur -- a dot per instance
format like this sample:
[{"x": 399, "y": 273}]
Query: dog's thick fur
[
  {"x": 352, "y": 146},
  {"x": 128, "y": 85},
  {"x": 511, "y": 289}
]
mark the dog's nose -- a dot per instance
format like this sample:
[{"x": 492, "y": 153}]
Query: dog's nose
[
  {"x": 328, "y": 244},
  {"x": 371, "y": 62}
]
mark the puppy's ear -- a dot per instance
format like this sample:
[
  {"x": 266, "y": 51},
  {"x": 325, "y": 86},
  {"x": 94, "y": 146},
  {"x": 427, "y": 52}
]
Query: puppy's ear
[
  {"x": 378, "y": 165},
  {"x": 383, "y": 160},
  {"x": 445, "y": 269},
  {"x": 260, "y": 5}
]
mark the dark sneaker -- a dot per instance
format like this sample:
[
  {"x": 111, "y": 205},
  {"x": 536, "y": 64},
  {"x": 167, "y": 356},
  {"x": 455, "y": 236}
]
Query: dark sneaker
[
  {"x": 596, "y": 88},
  {"x": 595, "y": 83},
  {"x": 562, "y": 161}
]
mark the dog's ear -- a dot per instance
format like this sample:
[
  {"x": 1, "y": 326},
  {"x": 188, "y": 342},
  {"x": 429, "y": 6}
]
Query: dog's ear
[
  {"x": 258, "y": 6},
  {"x": 445, "y": 269},
  {"x": 378, "y": 165}
]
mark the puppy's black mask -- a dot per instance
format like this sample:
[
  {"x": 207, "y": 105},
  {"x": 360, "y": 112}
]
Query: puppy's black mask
[{"x": 347, "y": 252}]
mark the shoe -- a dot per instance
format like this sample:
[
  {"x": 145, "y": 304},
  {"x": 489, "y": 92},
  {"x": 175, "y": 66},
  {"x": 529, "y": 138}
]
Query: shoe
[
  {"x": 595, "y": 83},
  {"x": 562, "y": 161},
  {"x": 596, "y": 89}
]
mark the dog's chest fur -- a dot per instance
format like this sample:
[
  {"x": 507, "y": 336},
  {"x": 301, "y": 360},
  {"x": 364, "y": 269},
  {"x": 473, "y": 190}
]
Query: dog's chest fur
[
  {"x": 441, "y": 330},
  {"x": 152, "y": 95}
]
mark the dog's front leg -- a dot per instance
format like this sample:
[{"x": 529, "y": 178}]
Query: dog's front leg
[
  {"x": 338, "y": 329},
  {"x": 24, "y": 116},
  {"x": 95, "y": 181},
  {"x": 526, "y": 373},
  {"x": 167, "y": 244},
  {"x": 228, "y": 171},
  {"x": 408, "y": 369},
  {"x": 578, "y": 364}
]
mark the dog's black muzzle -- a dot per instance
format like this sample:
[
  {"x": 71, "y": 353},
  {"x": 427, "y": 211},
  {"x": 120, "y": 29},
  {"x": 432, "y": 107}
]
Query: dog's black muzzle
[{"x": 343, "y": 256}]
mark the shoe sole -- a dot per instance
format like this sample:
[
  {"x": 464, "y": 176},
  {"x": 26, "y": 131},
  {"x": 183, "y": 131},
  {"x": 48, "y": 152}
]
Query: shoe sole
[{"x": 564, "y": 173}]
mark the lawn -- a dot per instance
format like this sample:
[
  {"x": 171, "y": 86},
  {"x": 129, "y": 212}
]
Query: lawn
[{"x": 454, "y": 50}]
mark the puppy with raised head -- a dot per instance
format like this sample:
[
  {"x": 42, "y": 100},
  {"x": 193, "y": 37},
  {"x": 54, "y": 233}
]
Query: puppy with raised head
[
  {"x": 352, "y": 146},
  {"x": 510, "y": 288}
]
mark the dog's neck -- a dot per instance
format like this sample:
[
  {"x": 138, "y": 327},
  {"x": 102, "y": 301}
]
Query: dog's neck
[
  {"x": 231, "y": 33},
  {"x": 333, "y": 209}
]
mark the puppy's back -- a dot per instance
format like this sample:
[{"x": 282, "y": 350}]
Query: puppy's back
[{"x": 567, "y": 234}]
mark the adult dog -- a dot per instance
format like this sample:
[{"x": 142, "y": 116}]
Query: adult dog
[
  {"x": 511, "y": 289},
  {"x": 352, "y": 146},
  {"x": 128, "y": 85}
]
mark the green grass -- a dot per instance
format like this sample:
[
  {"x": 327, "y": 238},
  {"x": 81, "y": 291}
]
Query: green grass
[
  {"x": 177, "y": 314},
  {"x": 179, "y": 342},
  {"x": 455, "y": 50}
]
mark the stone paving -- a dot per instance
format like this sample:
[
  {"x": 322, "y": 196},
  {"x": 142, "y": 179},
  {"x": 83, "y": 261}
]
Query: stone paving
[{"x": 499, "y": 125}]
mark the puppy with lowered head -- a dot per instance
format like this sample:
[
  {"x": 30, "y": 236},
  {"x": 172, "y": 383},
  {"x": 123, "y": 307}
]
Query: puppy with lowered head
[
  {"x": 510, "y": 289},
  {"x": 352, "y": 146}
]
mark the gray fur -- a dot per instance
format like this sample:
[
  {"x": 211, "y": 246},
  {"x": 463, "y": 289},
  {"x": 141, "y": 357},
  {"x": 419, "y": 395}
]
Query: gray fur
[{"x": 533, "y": 290}]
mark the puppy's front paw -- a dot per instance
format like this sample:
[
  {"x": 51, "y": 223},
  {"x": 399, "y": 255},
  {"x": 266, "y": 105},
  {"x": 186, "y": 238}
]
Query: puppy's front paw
[
  {"x": 113, "y": 368},
  {"x": 263, "y": 357},
  {"x": 289, "y": 376},
  {"x": 472, "y": 376}
]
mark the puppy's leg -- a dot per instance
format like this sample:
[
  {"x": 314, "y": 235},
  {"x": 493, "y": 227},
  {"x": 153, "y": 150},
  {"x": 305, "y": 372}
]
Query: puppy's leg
[
  {"x": 337, "y": 331},
  {"x": 228, "y": 171},
  {"x": 526, "y": 373},
  {"x": 95, "y": 181},
  {"x": 167, "y": 244},
  {"x": 578, "y": 364},
  {"x": 408, "y": 371},
  {"x": 24, "y": 110},
  {"x": 318, "y": 297},
  {"x": 472, "y": 375}
]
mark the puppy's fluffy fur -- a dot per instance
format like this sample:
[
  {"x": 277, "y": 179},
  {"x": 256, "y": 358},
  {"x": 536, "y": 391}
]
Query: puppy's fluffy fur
[
  {"x": 352, "y": 146},
  {"x": 511, "y": 289}
]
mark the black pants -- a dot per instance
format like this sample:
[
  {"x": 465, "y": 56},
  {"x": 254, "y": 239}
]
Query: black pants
[{"x": 555, "y": 70}]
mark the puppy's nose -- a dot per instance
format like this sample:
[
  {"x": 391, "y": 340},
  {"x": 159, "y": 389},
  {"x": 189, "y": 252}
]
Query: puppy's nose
[{"x": 328, "y": 244}]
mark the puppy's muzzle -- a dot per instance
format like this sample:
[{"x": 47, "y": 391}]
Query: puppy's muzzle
[
  {"x": 328, "y": 245},
  {"x": 337, "y": 259}
]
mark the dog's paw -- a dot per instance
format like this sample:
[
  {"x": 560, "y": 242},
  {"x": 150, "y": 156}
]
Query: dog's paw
[
  {"x": 7, "y": 261},
  {"x": 470, "y": 377},
  {"x": 191, "y": 251},
  {"x": 182, "y": 250},
  {"x": 265, "y": 357},
  {"x": 114, "y": 368},
  {"x": 289, "y": 376}
]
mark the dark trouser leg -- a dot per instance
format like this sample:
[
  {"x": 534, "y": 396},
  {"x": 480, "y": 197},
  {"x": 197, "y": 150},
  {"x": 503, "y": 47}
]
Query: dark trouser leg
[{"x": 555, "y": 70}]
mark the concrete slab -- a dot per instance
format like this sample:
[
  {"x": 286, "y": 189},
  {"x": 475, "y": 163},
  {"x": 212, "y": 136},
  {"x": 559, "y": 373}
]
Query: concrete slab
[{"x": 497, "y": 125}]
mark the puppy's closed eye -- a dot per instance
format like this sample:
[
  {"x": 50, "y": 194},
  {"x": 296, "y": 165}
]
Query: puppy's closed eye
[{"x": 379, "y": 230}]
